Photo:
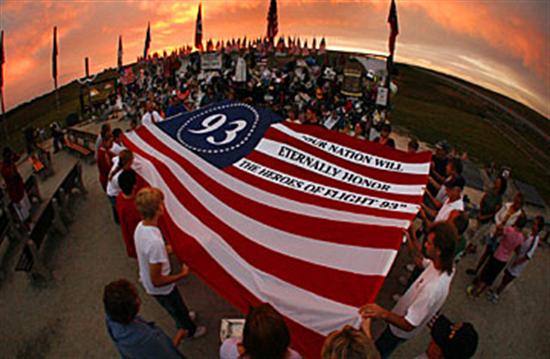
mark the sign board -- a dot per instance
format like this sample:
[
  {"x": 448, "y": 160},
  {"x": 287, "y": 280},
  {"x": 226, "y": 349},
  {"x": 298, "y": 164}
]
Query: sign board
[
  {"x": 382, "y": 96},
  {"x": 352, "y": 83},
  {"x": 375, "y": 65},
  {"x": 211, "y": 61}
]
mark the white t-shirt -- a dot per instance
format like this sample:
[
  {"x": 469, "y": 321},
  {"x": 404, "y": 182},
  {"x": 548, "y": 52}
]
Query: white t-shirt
[
  {"x": 150, "y": 118},
  {"x": 116, "y": 148},
  {"x": 501, "y": 215},
  {"x": 113, "y": 189},
  {"x": 151, "y": 249},
  {"x": 442, "y": 194},
  {"x": 447, "y": 208},
  {"x": 422, "y": 300},
  {"x": 229, "y": 350}
]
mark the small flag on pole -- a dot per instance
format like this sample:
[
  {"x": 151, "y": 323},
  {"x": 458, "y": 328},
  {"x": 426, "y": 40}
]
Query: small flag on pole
[
  {"x": 322, "y": 46},
  {"x": 394, "y": 27},
  {"x": 272, "y": 24},
  {"x": 147, "y": 41},
  {"x": 198, "y": 30},
  {"x": 119, "y": 54}
]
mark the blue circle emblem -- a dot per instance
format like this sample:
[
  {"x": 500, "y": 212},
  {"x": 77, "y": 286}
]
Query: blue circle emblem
[{"x": 219, "y": 128}]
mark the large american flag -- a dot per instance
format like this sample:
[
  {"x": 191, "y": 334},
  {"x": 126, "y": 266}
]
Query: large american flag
[{"x": 264, "y": 210}]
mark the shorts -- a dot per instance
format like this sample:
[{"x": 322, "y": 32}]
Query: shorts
[{"x": 491, "y": 270}]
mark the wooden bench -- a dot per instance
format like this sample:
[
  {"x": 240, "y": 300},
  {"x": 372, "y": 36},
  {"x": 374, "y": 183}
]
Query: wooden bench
[
  {"x": 4, "y": 224},
  {"x": 71, "y": 181},
  {"x": 29, "y": 256},
  {"x": 83, "y": 151},
  {"x": 81, "y": 142},
  {"x": 31, "y": 187},
  {"x": 55, "y": 215}
]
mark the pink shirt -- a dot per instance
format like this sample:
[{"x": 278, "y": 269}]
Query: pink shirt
[{"x": 511, "y": 239}]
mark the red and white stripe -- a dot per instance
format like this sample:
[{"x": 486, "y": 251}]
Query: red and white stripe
[{"x": 316, "y": 251}]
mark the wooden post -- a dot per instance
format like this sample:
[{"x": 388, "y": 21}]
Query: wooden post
[
  {"x": 57, "y": 103},
  {"x": 87, "y": 69}
]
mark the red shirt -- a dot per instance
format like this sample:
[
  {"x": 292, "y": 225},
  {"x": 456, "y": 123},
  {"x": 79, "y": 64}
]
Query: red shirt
[
  {"x": 129, "y": 218},
  {"x": 104, "y": 165}
]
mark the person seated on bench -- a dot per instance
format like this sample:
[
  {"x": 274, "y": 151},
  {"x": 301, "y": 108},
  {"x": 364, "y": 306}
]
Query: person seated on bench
[
  {"x": 15, "y": 185},
  {"x": 133, "y": 336}
]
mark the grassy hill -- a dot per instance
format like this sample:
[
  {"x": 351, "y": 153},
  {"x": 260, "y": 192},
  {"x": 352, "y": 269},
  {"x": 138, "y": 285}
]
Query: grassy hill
[
  {"x": 430, "y": 105},
  {"x": 433, "y": 108}
]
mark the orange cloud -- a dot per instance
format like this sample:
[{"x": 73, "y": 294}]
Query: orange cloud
[
  {"x": 478, "y": 20},
  {"x": 91, "y": 29}
]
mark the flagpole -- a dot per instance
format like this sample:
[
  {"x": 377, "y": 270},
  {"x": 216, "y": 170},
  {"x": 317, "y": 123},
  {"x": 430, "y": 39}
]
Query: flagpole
[
  {"x": 2, "y": 61},
  {"x": 394, "y": 31},
  {"x": 87, "y": 70},
  {"x": 54, "y": 67},
  {"x": 57, "y": 104},
  {"x": 4, "y": 119}
]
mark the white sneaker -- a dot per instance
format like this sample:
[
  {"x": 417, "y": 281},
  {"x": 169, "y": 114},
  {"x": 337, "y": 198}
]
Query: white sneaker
[
  {"x": 193, "y": 315},
  {"x": 410, "y": 267},
  {"x": 396, "y": 297},
  {"x": 403, "y": 280},
  {"x": 201, "y": 331}
]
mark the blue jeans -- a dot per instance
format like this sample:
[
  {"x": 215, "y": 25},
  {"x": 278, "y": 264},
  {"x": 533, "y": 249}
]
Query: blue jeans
[
  {"x": 177, "y": 309},
  {"x": 387, "y": 343}
]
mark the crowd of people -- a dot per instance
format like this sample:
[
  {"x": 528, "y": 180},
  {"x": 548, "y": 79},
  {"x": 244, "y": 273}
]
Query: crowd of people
[
  {"x": 302, "y": 89},
  {"x": 309, "y": 91}
]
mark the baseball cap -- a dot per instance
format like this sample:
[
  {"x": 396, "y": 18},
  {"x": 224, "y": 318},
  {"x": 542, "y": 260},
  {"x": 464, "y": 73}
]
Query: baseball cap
[{"x": 457, "y": 341}]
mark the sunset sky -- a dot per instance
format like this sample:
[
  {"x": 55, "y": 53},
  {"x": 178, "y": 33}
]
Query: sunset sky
[{"x": 503, "y": 45}]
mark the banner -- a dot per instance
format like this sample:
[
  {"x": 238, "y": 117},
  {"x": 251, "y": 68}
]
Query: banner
[{"x": 211, "y": 62}]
